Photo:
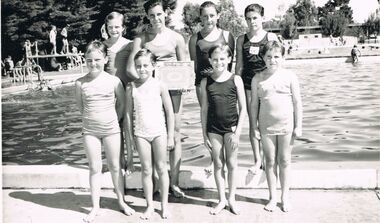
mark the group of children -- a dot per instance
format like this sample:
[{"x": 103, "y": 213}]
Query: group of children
[{"x": 142, "y": 107}]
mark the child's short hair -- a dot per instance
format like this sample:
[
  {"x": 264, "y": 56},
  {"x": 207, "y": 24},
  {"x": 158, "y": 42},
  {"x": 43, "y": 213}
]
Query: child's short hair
[
  {"x": 152, "y": 3},
  {"x": 221, "y": 47},
  {"x": 146, "y": 53},
  {"x": 114, "y": 15},
  {"x": 254, "y": 8},
  {"x": 273, "y": 45},
  {"x": 208, "y": 4},
  {"x": 96, "y": 45}
]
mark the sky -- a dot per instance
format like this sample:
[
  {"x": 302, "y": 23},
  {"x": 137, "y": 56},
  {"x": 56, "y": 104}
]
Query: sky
[{"x": 361, "y": 8}]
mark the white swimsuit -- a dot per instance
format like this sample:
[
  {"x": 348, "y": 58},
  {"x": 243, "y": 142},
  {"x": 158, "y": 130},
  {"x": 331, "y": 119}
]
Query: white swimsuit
[
  {"x": 276, "y": 105},
  {"x": 149, "y": 116},
  {"x": 99, "y": 113}
]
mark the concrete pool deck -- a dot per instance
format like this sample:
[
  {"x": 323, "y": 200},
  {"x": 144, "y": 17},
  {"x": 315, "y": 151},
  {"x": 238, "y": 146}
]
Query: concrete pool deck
[{"x": 72, "y": 205}]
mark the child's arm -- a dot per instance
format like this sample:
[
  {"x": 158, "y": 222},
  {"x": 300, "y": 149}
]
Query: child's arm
[
  {"x": 192, "y": 49},
  {"x": 231, "y": 44},
  {"x": 242, "y": 108},
  {"x": 180, "y": 48},
  {"x": 239, "y": 55},
  {"x": 204, "y": 111},
  {"x": 78, "y": 95},
  {"x": 254, "y": 108},
  {"x": 167, "y": 102},
  {"x": 297, "y": 104},
  {"x": 128, "y": 130},
  {"x": 120, "y": 99},
  {"x": 136, "y": 46}
]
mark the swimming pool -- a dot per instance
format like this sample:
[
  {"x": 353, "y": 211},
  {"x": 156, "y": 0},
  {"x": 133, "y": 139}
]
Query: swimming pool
[{"x": 341, "y": 103}]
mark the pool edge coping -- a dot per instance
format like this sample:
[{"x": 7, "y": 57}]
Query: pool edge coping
[{"x": 64, "y": 176}]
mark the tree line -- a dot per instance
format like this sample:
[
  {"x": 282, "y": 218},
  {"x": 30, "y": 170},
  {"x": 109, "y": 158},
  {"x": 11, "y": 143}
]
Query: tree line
[{"x": 32, "y": 19}]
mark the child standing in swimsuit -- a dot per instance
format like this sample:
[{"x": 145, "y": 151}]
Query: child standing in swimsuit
[
  {"x": 100, "y": 98},
  {"x": 222, "y": 122},
  {"x": 276, "y": 118},
  {"x": 146, "y": 98},
  {"x": 249, "y": 61},
  {"x": 118, "y": 50}
]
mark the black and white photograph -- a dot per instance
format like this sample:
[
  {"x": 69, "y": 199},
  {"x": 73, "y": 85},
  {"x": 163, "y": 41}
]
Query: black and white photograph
[{"x": 189, "y": 111}]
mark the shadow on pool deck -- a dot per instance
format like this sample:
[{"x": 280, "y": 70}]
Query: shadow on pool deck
[{"x": 308, "y": 206}]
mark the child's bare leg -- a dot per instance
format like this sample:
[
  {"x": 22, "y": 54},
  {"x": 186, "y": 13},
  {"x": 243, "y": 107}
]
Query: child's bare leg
[
  {"x": 112, "y": 150},
  {"x": 176, "y": 154},
  {"x": 218, "y": 159},
  {"x": 159, "y": 150},
  {"x": 232, "y": 165},
  {"x": 92, "y": 147},
  {"x": 145, "y": 153},
  {"x": 198, "y": 90},
  {"x": 256, "y": 154},
  {"x": 284, "y": 162},
  {"x": 269, "y": 148},
  {"x": 254, "y": 142}
]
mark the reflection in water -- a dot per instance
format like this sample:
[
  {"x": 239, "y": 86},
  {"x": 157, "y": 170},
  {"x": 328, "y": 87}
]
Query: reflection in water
[{"x": 341, "y": 121}]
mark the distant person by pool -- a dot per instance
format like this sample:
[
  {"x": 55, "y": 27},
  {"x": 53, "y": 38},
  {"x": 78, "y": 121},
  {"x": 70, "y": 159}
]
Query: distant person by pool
[{"x": 355, "y": 54}]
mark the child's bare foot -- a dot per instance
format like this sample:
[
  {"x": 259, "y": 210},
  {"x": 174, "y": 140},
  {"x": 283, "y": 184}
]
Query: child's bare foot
[
  {"x": 147, "y": 213},
  {"x": 271, "y": 206},
  {"x": 177, "y": 192},
  {"x": 216, "y": 210},
  {"x": 234, "y": 208},
  {"x": 165, "y": 213},
  {"x": 91, "y": 216},
  {"x": 255, "y": 168},
  {"x": 126, "y": 209},
  {"x": 286, "y": 206}
]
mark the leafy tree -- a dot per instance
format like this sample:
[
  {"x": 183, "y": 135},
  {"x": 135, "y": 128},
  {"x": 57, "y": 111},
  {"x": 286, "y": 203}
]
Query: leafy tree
[
  {"x": 334, "y": 17},
  {"x": 305, "y": 13},
  {"x": 229, "y": 19},
  {"x": 372, "y": 25},
  {"x": 288, "y": 26},
  {"x": 333, "y": 6},
  {"x": 190, "y": 18},
  {"x": 334, "y": 24},
  {"x": 32, "y": 20}
]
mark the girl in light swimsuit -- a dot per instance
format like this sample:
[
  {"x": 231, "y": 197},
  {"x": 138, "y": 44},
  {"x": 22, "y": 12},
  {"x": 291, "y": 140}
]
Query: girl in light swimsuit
[
  {"x": 100, "y": 98},
  {"x": 276, "y": 118},
  {"x": 222, "y": 122},
  {"x": 146, "y": 98},
  {"x": 167, "y": 45}
]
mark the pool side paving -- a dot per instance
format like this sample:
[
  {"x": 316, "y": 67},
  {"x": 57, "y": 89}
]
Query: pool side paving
[{"x": 72, "y": 205}]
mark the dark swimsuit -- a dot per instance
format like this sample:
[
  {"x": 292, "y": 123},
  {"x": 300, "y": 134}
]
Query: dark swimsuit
[
  {"x": 253, "y": 61},
  {"x": 202, "y": 58},
  {"x": 222, "y": 112}
]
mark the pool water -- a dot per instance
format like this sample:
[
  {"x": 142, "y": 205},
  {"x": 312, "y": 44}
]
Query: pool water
[{"x": 341, "y": 104}]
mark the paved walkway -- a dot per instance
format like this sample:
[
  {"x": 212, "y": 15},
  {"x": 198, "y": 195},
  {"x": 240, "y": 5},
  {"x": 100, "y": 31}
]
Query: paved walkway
[{"x": 70, "y": 206}]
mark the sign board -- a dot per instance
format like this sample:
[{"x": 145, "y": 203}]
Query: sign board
[{"x": 177, "y": 75}]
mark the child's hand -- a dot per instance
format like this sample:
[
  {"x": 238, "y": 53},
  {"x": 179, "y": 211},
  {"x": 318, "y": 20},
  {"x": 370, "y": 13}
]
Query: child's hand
[
  {"x": 130, "y": 167},
  {"x": 207, "y": 144},
  {"x": 297, "y": 132},
  {"x": 256, "y": 133},
  {"x": 170, "y": 143},
  {"x": 207, "y": 72}
]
